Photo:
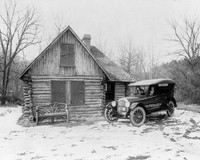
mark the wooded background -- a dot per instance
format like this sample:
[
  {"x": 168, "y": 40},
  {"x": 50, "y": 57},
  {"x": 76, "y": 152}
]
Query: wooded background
[{"x": 19, "y": 30}]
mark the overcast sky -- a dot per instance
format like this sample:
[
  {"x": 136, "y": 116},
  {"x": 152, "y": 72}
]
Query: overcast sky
[{"x": 112, "y": 23}]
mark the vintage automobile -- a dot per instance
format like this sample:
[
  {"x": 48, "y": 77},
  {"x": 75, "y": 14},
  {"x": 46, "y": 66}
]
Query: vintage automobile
[{"x": 145, "y": 97}]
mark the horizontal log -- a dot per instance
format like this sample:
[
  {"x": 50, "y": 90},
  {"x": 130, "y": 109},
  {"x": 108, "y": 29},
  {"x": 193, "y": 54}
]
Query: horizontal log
[
  {"x": 41, "y": 86},
  {"x": 92, "y": 84},
  {"x": 35, "y": 82},
  {"x": 41, "y": 96},
  {"x": 84, "y": 109},
  {"x": 93, "y": 91},
  {"x": 41, "y": 103},
  {"x": 81, "y": 106},
  {"x": 92, "y": 87},
  {"x": 42, "y": 100},
  {"x": 41, "y": 78},
  {"x": 41, "y": 92},
  {"x": 94, "y": 96},
  {"x": 97, "y": 100},
  {"x": 85, "y": 105},
  {"x": 93, "y": 99},
  {"x": 93, "y": 81},
  {"x": 85, "y": 113},
  {"x": 41, "y": 89}
]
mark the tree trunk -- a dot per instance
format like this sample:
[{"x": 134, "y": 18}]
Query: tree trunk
[
  {"x": 3, "y": 97},
  {"x": 6, "y": 75}
]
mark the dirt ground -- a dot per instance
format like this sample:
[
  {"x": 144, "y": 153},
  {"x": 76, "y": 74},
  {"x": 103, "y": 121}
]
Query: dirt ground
[{"x": 161, "y": 138}]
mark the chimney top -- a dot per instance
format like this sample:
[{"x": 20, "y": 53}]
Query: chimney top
[
  {"x": 86, "y": 36},
  {"x": 86, "y": 39}
]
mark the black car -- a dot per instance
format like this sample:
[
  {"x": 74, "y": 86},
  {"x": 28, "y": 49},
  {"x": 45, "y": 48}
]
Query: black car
[{"x": 145, "y": 97}]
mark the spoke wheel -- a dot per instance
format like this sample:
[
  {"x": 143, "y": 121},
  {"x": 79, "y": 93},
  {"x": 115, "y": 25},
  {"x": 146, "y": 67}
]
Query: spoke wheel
[
  {"x": 138, "y": 116},
  {"x": 110, "y": 115},
  {"x": 171, "y": 109}
]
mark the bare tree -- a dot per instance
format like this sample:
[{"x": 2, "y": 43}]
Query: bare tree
[
  {"x": 152, "y": 64},
  {"x": 132, "y": 60},
  {"x": 128, "y": 57},
  {"x": 18, "y": 31},
  {"x": 187, "y": 38},
  {"x": 59, "y": 24}
]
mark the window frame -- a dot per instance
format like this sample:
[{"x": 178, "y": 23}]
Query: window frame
[
  {"x": 53, "y": 99},
  {"x": 72, "y": 92},
  {"x": 64, "y": 58}
]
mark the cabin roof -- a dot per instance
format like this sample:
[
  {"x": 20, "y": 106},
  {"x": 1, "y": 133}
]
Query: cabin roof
[
  {"x": 113, "y": 70},
  {"x": 152, "y": 82},
  {"x": 110, "y": 69}
]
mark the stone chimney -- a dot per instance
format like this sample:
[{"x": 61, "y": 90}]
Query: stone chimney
[{"x": 86, "y": 39}]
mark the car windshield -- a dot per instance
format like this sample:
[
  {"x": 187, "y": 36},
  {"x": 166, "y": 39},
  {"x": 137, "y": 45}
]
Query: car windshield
[{"x": 138, "y": 90}]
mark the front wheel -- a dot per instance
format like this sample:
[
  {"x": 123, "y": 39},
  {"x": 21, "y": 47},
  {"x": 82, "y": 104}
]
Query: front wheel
[
  {"x": 138, "y": 116},
  {"x": 170, "y": 109},
  {"x": 110, "y": 115}
]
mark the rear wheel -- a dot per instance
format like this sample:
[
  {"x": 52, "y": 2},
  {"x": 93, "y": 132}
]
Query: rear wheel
[
  {"x": 170, "y": 108},
  {"x": 138, "y": 116},
  {"x": 110, "y": 115}
]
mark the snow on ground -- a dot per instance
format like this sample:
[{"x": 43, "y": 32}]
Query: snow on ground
[{"x": 176, "y": 138}]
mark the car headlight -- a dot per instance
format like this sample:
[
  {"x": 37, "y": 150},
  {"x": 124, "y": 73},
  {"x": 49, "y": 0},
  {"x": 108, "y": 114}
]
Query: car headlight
[
  {"x": 113, "y": 103},
  {"x": 127, "y": 103}
]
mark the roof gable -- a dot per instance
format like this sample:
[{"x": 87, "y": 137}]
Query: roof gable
[
  {"x": 109, "y": 68},
  {"x": 53, "y": 42}
]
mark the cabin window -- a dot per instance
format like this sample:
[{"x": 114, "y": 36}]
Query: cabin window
[
  {"x": 67, "y": 55},
  {"x": 58, "y": 91},
  {"x": 77, "y": 92}
]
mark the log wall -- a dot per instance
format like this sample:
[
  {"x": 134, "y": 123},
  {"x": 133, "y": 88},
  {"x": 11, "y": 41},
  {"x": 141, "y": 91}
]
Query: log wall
[
  {"x": 41, "y": 93},
  {"x": 120, "y": 90}
]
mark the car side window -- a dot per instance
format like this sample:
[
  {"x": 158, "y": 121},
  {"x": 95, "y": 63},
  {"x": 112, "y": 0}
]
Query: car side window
[{"x": 152, "y": 91}]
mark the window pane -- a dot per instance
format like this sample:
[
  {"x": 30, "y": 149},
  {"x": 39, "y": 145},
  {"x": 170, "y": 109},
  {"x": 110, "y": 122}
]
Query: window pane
[
  {"x": 58, "y": 91},
  {"x": 77, "y": 92},
  {"x": 67, "y": 57}
]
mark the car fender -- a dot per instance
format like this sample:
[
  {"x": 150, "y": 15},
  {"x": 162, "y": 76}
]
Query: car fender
[
  {"x": 133, "y": 105},
  {"x": 174, "y": 101},
  {"x": 108, "y": 105}
]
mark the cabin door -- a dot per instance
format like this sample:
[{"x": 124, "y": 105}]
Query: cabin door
[{"x": 110, "y": 92}]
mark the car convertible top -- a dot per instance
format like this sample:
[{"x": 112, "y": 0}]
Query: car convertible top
[{"x": 152, "y": 82}]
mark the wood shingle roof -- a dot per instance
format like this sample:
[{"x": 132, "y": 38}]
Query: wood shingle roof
[{"x": 113, "y": 70}]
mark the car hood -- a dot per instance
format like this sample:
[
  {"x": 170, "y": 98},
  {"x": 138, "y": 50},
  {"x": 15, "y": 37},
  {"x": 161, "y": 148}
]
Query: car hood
[{"x": 135, "y": 99}]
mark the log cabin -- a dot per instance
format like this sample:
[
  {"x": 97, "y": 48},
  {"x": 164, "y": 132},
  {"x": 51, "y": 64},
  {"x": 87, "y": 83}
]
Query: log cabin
[{"x": 72, "y": 71}]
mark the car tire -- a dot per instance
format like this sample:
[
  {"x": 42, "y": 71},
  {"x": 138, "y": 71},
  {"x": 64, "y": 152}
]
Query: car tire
[
  {"x": 170, "y": 108},
  {"x": 108, "y": 114},
  {"x": 138, "y": 116}
]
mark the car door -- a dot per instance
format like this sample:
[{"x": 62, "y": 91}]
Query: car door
[{"x": 153, "y": 101}]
